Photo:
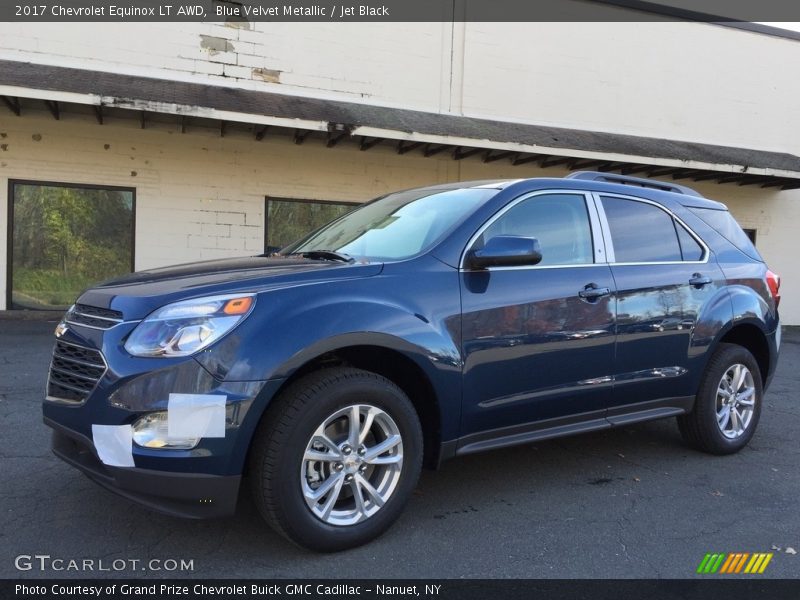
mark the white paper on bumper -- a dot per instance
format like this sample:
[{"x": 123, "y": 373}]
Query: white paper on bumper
[
  {"x": 114, "y": 444},
  {"x": 196, "y": 416}
]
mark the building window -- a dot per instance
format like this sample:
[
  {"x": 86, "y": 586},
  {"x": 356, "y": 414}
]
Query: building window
[
  {"x": 288, "y": 220},
  {"x": 751, "y": 233},
  {"x": 64, "y": 238}
]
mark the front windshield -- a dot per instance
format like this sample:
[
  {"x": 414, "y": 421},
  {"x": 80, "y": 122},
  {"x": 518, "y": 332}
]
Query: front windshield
[{"x": 397, "y": 226}]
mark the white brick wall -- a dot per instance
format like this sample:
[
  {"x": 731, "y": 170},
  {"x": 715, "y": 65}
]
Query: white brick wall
[
  {"x": 393, "y": 62},
  {"x": 200, "y": 196},
  {"x": 678, "y": 80},
  {"x": 682, "y": 80}
]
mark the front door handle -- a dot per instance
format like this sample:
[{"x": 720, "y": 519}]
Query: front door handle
[
  {"x": 591, "y": 292},
  {"x": 698, "y": 280}
]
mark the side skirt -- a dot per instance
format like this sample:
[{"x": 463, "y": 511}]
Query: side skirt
[{"x": 564, "y": 426}]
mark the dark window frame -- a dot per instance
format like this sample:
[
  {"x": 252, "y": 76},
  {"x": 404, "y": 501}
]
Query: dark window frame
[
  {"x": 676, "y": 222},
  {"x": 615, "y": 238},
  {"x": 681, "y": 227},
  {"x": 64, "y": 184},
  {"x": 506, "y": 211},
  {"x": 267, "y": 200},
  {"x": 752, "y": 234}
]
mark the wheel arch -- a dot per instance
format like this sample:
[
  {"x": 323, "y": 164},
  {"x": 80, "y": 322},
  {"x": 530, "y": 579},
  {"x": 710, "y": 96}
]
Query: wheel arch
[
  {"x": 736, "y": 316},
  {"x": 751, "y": 336},
  {"x": 393, "y": 358}
]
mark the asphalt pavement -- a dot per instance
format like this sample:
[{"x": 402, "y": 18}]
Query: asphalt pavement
[{"x": 633, "y": 502}]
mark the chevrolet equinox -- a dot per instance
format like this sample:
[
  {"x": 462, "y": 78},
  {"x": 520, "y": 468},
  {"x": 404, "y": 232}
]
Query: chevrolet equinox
[{"x": 426, "y": 324}]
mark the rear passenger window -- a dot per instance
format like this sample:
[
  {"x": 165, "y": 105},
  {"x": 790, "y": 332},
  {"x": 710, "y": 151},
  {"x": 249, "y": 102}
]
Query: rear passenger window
[
  {"x": 690, "y": 249},
  {"x": 641, "y": 232}
]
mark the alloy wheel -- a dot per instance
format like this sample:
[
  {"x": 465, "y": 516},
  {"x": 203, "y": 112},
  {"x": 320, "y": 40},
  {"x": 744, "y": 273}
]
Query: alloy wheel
[
  {"x": 736, "y": 398},
  {"x": 351, "y": 465}
]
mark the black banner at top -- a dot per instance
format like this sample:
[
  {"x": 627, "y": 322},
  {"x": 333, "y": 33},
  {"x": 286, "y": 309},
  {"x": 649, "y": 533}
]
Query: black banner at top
[{"x": 245, "y": 11}]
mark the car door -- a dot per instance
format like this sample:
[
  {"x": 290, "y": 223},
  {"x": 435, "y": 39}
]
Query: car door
[
  {"x": 538, "y": 341},
  {"x": 664, "y": 275}
]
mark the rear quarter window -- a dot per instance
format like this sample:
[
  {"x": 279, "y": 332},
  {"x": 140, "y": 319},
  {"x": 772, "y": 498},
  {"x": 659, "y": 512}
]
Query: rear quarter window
[{"x": 724, "y": 224}]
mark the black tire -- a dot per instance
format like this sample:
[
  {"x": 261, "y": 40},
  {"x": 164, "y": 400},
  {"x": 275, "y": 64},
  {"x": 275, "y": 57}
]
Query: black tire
[
  {"x": 699, "y": 428},
  {"x": 281, "y": 439}
]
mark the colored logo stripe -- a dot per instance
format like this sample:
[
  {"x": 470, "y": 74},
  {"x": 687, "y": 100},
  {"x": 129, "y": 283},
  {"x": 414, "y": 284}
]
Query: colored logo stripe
[
  {"x": 710, "y": 563},
  {"x": 758, "y": 563},
  {"x": 734, "y": 562}
]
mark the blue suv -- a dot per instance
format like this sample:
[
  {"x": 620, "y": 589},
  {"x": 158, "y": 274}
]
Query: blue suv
[{"x": 426, "y": 324}]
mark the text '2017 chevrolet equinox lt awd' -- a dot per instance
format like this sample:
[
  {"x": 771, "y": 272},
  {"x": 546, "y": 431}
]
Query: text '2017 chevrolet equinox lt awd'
[{"x": 426, "y": 324}]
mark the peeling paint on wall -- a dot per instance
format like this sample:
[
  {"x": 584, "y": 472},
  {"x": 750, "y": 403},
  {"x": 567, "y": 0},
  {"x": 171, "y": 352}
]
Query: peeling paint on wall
[
  {"x": 268, "y": 75},
  {"x": 215, "y": 44},
  {"x": 238, "y": 23}
]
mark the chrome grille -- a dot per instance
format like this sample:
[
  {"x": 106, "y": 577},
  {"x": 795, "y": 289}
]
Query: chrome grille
[
  {"x": 93, "y": 316},
  {"x": 74, "y": 372}
]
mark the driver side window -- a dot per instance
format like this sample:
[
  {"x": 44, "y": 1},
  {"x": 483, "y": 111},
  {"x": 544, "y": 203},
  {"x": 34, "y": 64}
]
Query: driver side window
[{"x": 559, "y": 221}]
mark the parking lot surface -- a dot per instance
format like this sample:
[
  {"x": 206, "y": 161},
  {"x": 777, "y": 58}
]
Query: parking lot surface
[{"x": 630, "y": 502}]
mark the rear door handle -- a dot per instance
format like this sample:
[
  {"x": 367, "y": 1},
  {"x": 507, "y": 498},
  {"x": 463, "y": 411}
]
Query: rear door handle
[
  {"x": 592, "y": 292},
  {"x": 699, "y": 280}
]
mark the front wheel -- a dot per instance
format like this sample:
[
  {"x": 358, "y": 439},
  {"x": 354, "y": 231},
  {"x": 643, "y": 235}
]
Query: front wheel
[
  {"x": 728, "y": 403},
  {"x": 336, "y": 459}
]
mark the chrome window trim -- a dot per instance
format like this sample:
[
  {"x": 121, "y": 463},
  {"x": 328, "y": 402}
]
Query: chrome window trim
[
  {"x": 525, "y": 267},
  {"x": 596, "y": 231},
  {"x": 597, "y": 240},
  {"x": 598, "y": 197},
  {"x": 609, "y": 243}
]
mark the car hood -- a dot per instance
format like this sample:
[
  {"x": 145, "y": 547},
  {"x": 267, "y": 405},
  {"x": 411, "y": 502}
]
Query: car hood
[{"x": 138, "y": 294}]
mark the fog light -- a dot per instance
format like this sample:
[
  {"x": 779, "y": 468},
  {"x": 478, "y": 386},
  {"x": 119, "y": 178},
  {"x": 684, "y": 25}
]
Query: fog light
[{"x": 152, "y": 431}]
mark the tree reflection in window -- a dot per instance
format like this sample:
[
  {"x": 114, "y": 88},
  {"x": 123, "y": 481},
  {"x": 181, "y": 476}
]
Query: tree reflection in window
[{"x": 66, "y": 238}]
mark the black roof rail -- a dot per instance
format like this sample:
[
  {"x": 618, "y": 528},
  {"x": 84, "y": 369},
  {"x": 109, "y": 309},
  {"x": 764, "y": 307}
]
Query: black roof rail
[{"x": 636, "y": 181}]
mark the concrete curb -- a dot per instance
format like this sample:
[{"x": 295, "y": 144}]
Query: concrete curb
[{"x": 31, "y": 315}]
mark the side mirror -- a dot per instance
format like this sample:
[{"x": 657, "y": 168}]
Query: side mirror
[{"x": 506, "y": 251}]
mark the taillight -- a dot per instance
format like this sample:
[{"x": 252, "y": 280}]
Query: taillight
[{"x": 774, "y": 285}]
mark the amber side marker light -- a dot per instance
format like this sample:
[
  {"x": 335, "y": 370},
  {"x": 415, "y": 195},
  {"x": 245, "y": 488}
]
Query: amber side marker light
[{"x": 238, "y": 306}]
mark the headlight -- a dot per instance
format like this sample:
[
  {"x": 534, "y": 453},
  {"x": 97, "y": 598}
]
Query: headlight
[
  {"x": 61, "y": 328},
  {"x": 186, "y": 327}
]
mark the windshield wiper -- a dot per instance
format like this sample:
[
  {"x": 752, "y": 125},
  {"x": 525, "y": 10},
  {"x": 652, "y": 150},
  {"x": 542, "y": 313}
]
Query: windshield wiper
[{"x": 327, "y": 255}]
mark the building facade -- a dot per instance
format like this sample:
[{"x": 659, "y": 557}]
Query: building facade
[{"x": 133, "y": 146}]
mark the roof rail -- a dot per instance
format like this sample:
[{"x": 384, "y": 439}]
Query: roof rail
[{"x": 636, "y": 181}]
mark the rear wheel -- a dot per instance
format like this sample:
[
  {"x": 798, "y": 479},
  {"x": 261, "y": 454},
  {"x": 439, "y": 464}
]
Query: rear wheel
[
  {"x": 336, "y": 459},
  {"x": 728, "y": 403}
]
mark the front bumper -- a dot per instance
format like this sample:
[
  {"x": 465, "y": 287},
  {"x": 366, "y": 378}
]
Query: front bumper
[
  {"x": 192, "y": 495},
  {"x": 199, "y": 482}
]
